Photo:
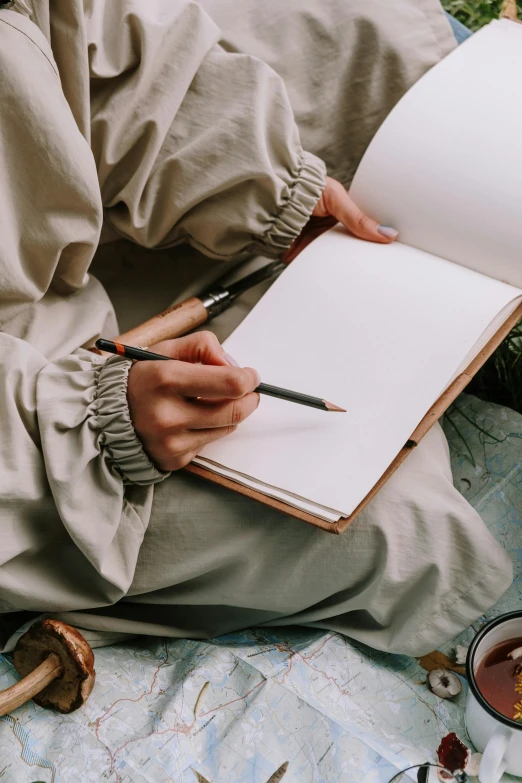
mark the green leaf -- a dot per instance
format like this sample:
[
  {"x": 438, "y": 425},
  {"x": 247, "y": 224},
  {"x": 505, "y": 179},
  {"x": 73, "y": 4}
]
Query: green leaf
[{"x": 474, "y": 13}]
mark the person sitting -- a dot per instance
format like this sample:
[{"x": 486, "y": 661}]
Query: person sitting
[{"x": 227, "y": 129}]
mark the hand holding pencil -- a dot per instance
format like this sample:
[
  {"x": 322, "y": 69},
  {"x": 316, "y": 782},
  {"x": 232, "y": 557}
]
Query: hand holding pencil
[
  {"x": 176, "y": 413},
  {"x": 172, "y": 424}
]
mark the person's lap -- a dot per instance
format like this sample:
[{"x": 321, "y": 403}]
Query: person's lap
[{"x": 415, "y": 567}]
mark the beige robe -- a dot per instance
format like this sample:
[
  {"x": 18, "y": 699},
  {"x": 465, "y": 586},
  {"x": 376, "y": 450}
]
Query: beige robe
[{"x": 165, "y": 118}]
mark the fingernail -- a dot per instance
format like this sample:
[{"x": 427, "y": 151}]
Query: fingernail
[
  {"x": 258, "y": 381},
  {"x": 230, "y": 359},
  {"x": 387, "y": 231}
]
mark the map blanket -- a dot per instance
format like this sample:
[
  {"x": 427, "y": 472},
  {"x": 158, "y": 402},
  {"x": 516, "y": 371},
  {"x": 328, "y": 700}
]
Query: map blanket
[{"x": 312, "y": 705}]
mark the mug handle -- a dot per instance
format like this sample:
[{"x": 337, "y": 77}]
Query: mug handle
[{"x": 493, "y": 766}]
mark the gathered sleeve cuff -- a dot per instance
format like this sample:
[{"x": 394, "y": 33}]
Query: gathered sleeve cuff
[
  {"x": 297, "y": 208},
  {"x": 118, "y": 435}
]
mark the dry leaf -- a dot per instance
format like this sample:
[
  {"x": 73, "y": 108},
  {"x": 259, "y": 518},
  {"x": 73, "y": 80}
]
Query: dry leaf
[
  {"x": 199, "y": 700},
  {"x": 509, "y": 10},
  {"x": 277, "y": 776},
  {"x": 439, "y": 660},
  {"x": 199, "y": 776}
]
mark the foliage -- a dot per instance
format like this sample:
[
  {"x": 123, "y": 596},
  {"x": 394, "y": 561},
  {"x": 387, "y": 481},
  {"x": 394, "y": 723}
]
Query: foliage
[
  {"x": 474, "y": 13},
  {"x": 500, "y": 380}
]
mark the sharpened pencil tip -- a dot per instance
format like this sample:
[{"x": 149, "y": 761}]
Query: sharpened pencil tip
[{"x": 331, "y": 407}]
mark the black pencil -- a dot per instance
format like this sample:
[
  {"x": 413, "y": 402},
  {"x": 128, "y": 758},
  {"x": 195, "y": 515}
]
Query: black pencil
[{"x": 140, "y": 354}]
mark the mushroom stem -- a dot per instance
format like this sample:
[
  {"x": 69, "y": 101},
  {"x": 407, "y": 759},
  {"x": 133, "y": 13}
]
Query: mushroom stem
[{"x": 22, "y": 691}]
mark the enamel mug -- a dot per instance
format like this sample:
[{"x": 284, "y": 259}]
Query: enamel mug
[{"x": 497, "y": 737}]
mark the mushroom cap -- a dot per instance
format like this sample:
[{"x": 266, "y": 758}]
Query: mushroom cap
[
  {"x": 444, "y": 684},
  {"x": 69, "y": 691}
]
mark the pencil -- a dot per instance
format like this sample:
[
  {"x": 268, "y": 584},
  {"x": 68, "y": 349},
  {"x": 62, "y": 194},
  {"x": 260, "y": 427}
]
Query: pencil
[{"x": 140, "y": 354}]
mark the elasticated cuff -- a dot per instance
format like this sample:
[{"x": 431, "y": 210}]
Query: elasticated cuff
[
  {"x": 296, "y": 211},
  {"x": 118, "y": 435}
]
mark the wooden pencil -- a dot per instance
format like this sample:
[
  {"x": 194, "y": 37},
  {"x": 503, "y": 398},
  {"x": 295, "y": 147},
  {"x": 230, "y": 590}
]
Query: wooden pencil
[{"x": 140, "y": 355}]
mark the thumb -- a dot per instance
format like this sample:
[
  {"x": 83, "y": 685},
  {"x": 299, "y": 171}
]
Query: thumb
[
  {"x": 336, "y": 202},
  {"x": 198, "y": 348}
]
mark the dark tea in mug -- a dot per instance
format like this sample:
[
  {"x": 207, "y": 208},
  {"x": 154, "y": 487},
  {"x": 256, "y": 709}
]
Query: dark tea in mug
[{"x": 499, "y": 678}]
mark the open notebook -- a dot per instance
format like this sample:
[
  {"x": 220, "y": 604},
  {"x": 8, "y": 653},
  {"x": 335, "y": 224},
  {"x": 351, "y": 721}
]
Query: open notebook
[{"x": 391, "y": 333}]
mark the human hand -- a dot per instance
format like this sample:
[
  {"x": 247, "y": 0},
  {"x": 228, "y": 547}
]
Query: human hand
[
  {"x": 336, "y": 206},
  {"x": 170, "y": 420}
]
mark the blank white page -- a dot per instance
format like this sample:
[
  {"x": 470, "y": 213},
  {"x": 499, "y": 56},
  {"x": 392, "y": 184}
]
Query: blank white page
[
  {"x": 377, "y": 329},
  {"x": 445, "y": 168}
]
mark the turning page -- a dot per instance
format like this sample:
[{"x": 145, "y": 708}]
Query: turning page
[
  {"x": 445, "y": 168},
  {"x": 377, "y": 329}
]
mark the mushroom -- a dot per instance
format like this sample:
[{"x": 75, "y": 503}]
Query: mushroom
[
  {"x": 57, "y": 666},
  {"x": 515, "y": 654},
  {"x": 444, "y": 684}
]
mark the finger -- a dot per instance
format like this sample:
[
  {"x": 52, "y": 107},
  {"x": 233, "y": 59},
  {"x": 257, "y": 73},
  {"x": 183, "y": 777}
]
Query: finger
[
  {"x": 228, "y": 414},
  {"x": 201, "y": 438},
  {"x": 339, "y": 204},
  {"x": 201, "y": 347},
  {"x": 180, "y": 451},
  {"x": 199, "y": 380}
]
